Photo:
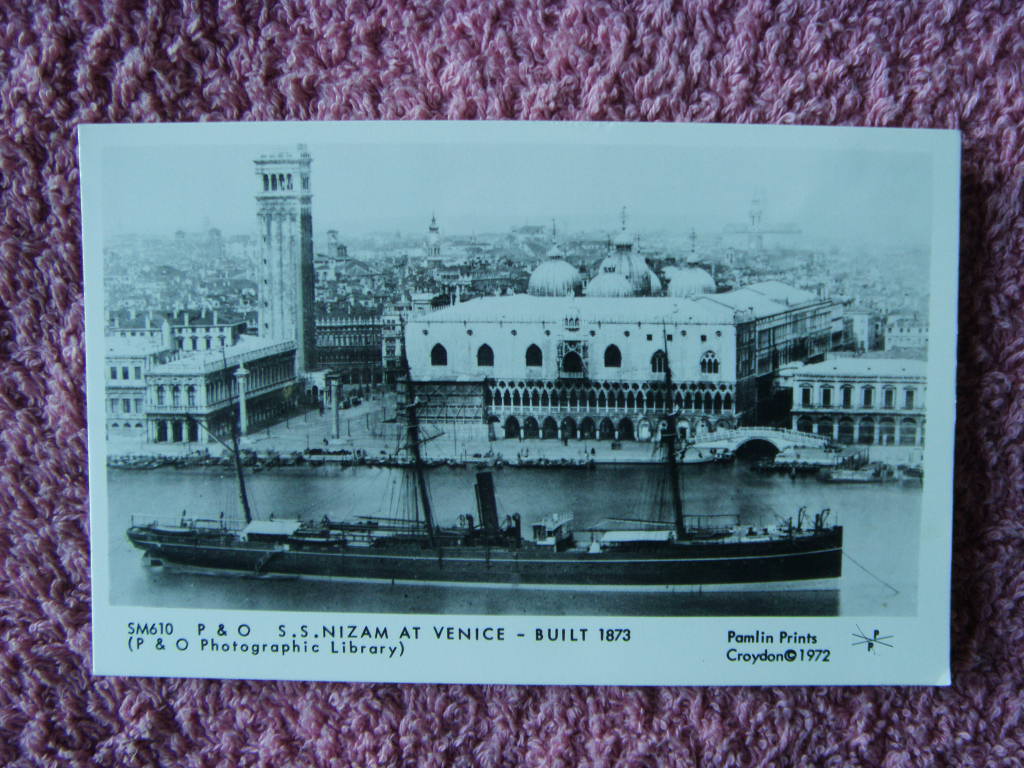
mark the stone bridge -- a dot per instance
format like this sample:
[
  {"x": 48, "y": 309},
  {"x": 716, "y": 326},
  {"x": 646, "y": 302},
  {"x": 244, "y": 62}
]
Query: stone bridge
[{"x": 733, "y": 439}]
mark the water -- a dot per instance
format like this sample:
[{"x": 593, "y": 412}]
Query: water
[{"x": 881, "y": 534}]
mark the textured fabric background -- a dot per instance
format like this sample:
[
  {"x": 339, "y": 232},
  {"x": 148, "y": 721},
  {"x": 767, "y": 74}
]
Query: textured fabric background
[{"x": 926, "y": 64}]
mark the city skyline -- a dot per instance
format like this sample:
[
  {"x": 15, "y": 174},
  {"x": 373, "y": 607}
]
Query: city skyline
[{"x": 852, "y": 196}]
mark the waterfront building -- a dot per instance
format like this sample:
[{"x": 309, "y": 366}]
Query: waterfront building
[
  {"x": 286, "y": 273},
  {"x": 196, "y": 394},
  {"x": 594, "y": 367},
  {"x": 860, "y": 400},
  {"x": 128, "y": 361}
]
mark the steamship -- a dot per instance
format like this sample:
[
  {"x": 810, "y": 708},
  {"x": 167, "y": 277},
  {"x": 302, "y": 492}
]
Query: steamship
[{"x": 678, "y": 553}]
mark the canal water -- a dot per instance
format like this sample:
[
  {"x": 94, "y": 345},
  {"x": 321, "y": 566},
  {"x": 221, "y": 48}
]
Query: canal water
[{"x": 881, "y": 535}]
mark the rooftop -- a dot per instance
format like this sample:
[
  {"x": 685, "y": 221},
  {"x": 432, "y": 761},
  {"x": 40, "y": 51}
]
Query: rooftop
[
  {"x": 763, "y": 299},
  {"x": 154, "y": 320},
  {"x": 133, "y": 345},
  {"x": 248, "y": 348},
  {"x": 544, "y": 309},
  {"x": 867, "y": 366}
]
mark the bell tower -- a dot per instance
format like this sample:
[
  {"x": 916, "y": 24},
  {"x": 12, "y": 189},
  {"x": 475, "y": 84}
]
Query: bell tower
[
  {"x": 284, "y": 211},
  {"x": 433, "y": 240}
]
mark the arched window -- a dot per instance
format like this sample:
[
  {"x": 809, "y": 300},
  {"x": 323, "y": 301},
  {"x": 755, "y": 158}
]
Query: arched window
[
  {"x": 439, "y": 355},
  {"x": 612, "y": 357},
  {"x": 659, "y": 362},
  {"x": 534, "y": 357},
  {"x": 485, "y": 356},
  {"x": 709, "y": 363}
]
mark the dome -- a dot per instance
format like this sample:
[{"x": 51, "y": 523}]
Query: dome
[
  {"x": 691, "y": 281},
  {"x": 609, "y": 284},
  {"x": 633, "y": 267},
  {"x": 555, "y": 253},
  {"x": 623, "y": 240},
  {"x": 554, "y": 277}
]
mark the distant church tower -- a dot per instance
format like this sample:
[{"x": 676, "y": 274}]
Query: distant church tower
[
  {"x": 433, "y": 240},
  {"x": 756, "y": 236},
  {"x": 284, "y": 210}
]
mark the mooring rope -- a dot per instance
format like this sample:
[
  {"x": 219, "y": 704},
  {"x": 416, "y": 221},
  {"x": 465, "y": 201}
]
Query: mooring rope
[{"x": 869, "y": 573}]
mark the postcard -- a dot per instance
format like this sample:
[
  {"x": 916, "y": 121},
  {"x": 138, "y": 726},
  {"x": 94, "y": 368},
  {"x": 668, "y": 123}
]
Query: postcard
[{"x": 493, "y": 402}]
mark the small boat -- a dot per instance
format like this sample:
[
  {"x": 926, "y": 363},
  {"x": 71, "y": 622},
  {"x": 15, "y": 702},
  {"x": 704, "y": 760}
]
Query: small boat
[{"x": 873, "y": 473}]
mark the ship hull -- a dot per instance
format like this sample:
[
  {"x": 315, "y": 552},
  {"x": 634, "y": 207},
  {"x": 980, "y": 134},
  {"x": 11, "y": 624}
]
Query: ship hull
[{"x": 786, "y": 562}]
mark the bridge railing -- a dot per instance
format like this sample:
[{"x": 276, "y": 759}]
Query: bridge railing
[{"x": 791, "y": 435}]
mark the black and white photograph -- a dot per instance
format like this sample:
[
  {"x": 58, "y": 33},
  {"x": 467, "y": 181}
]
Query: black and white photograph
[{"x": 547, "y": 371}]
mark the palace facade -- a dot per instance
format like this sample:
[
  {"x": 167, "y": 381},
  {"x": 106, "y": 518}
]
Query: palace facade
[{"x": 562, "y": 366}]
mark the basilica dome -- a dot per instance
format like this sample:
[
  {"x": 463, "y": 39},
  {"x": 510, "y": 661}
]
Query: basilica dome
[
  {"x": 690, "y": 281},
  {"x": 633, "y": 267},
  {"x": 609, "y": 284},
  {"x": 555, "y": 277},
  {"x": 623, "y": 240}
]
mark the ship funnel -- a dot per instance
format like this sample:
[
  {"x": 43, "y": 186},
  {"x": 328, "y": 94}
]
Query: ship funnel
[{"x": 486, "y": 504}]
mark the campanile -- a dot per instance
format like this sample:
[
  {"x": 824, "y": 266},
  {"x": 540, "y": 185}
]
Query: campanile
[{"x": 284, "y": 211}]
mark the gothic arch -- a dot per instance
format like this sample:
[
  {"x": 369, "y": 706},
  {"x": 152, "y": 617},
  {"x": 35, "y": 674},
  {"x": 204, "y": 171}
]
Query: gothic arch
[
  {"x": 625, "y": 429},
  {"x": 612, "y": 357},
  {"x": 588, "y": 431},
  {"x": 439, "y": 355},
  {"x": 572, "y": 363},
  {"x": 534, "y": 357},
  {"x": 659, "y": 362},
  {"x": 511, "y": 427},
  {"x": 709, "y": 363},
  {"x": 485, "y": 356}
]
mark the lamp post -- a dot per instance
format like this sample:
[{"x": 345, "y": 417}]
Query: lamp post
[{"x": 241, "y": 376}]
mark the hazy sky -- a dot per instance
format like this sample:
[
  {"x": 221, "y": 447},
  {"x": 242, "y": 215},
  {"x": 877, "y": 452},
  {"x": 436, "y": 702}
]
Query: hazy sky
[{"x": 874, "y": 196}]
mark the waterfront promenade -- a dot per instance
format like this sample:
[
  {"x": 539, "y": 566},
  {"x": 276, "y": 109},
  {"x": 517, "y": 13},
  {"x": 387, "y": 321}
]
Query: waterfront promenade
[{"x": 370, "y": 429}]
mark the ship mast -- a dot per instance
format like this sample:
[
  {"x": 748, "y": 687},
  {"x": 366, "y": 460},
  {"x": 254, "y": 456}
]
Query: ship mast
[
  {"x": 413, "y": 421},
  {"x": 670, "y": 447},
  {"x": 242, "y": 495}
]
